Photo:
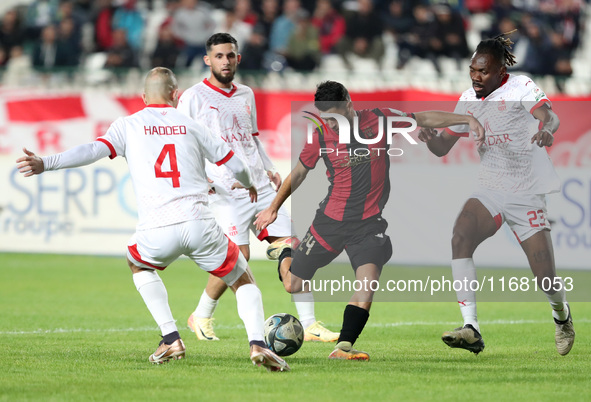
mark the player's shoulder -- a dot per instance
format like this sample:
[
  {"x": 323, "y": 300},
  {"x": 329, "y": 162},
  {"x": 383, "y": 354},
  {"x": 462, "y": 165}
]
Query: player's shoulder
[
  {"x": 194, "y": 90},
  {"x": 468, "y": 95},
  {"x": 243, "y": 89},
  {"x": 520, "y": 80}
]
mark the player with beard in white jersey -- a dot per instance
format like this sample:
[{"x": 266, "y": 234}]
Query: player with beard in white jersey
[
  {"x": 515, "y": 175},
  {"x": 229, "y": 110},
  {"x": 166, "y": 152}
]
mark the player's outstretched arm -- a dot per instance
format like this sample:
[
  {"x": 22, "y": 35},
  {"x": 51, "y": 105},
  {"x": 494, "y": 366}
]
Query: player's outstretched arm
[
  {"x": 82, "y": 155},
  {"x": 437, "y": 119},
  {"x": 550, "y": 123},
  {"x": 30, "y": 164},
  {"x": 290, "y": 184},
  {"x": 274, "y": 176},
  {"x": 438, "y": 143}
]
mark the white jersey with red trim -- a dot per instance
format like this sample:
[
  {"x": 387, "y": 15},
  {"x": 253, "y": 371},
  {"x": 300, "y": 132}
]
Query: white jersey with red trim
[
  {"x": 231, "y": 114},
  {"x": 166, "y": 151},
  {"x": 509, "y": 162}
]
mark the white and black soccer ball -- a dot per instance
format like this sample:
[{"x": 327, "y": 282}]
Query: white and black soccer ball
[{"x": 284, "y": 334}]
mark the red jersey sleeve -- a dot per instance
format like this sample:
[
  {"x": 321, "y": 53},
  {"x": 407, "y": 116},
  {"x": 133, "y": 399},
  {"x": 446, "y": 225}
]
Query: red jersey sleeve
[{"x": 311, "y": 152}]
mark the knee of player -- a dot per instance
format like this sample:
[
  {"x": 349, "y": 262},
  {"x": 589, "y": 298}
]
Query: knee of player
[
  {"x": 287, "y": 286},
  {"x": 245, "y": 250},
  {"x": 134, "y": 269},
  {"x": 461, "y": 242}
]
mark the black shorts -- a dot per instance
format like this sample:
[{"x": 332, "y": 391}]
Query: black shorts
[{"x": 365, "y": 241}]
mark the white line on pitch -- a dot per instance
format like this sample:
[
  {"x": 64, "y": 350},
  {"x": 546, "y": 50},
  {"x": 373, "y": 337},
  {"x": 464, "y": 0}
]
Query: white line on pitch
[{"x": 240, "y": 327}]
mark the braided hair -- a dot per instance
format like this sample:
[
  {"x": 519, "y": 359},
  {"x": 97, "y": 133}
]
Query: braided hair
[{"x": 499, "y": 47}]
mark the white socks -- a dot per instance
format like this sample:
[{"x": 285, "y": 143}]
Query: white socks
[
  {"x": 206, "y": 306},
  {"x": 461, "y": 269},
  {"x": 153, "y": 291},
  {"x": 250, "y": 309},
  {"x": 304, "y": 303},
  {"x": 558, "y": 303}
]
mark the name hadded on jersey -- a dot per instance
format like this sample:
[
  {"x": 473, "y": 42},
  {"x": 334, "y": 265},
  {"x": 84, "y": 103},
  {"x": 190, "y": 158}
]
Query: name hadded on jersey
[{"x": 165, "y": 130}]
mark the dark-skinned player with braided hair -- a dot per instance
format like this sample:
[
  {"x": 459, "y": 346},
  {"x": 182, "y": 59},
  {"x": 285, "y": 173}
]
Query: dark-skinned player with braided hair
[{"x": 515, "y": 176}]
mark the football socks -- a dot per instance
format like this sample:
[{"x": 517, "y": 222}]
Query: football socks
[
  {"x": 250, "y": 309},
  {"x": 284, "y": 254},
  {"x": 304, "y": 303},
  {"x": 464, "y": 271},
  {"x": 153, "y": 291},
  {"x": 354, "y": 320},
  {"x": 170, "y": 338},
  {"x": 206, "y": 306},
  {"x": 558, "y": 302}
]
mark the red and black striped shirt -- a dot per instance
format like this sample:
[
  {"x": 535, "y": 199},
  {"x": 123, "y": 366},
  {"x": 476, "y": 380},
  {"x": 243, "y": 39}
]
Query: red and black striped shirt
[{"x": 358, "y": 173}]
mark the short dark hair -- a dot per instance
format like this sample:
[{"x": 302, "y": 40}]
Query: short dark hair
[
  {"x": 499, "y": 48},
  {"x": 330, "y": 94},
  {"x": 219, "y": 39}
]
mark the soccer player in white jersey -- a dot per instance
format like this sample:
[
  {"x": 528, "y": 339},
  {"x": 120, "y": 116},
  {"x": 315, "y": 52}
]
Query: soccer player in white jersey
[
  {"x": 229, "y": 110},
  {"x": 166, "y": 153},
  {"x": 515, "y": 175}
]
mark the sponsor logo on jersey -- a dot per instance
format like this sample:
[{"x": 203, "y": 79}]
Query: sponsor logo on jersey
[
  {"x": 538, "y": 93},
  {"x": 234, "y": 137}
]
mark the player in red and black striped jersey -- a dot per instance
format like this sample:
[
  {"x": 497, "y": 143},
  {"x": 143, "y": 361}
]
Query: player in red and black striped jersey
[{"x": 349, "y": 217}]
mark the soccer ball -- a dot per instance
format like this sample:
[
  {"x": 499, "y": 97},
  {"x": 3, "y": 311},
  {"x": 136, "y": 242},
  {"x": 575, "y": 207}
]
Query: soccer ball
[{"x": 284, "y": 334}]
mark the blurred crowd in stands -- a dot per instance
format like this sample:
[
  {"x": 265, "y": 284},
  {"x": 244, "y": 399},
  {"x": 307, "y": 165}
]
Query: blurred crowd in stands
[{"x": 280, "y": 34}]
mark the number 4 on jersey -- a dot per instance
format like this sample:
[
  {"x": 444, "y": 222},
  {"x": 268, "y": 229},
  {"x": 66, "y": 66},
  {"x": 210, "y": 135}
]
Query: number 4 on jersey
[{"x": 174, "y": 173}]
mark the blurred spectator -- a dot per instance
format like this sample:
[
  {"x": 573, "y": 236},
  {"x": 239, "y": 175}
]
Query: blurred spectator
[
  {"x": 418, "y": 41},
  {"x": 3, "y": 57},
  {"x": 330, "y": 24},
  {"x": 11, "y": 33},
  {"x": 120, "y": 54},
  {"x": 539, "y": 48},
  {"x": 478, "y": 6},
  {"x": 283, "y": 27},
  {"x": 69, "y": 41},
  {"x": 103, "y": 30},
  {"x": 398, "y": 20},
  {"x": 363, "y": 36},
  {"x": 192, "y": 23},
  {"x": 167, "y": 51},
  {"x": 253, "y": 51},
  {"x": 269, "y": 12},
  {"x": 303, "y": 49},
  {"x": 18, "y": 68},
  {"x": 49, "y": 53},
  {"x": 131, "y": 20},
  {"x": 239, "y": 29},
  {"x": 40, "y": 13},
  {"x": 244, "y": 12},
  {"x": 450, "y": 34},
  {"x": 66, "y": 11}
]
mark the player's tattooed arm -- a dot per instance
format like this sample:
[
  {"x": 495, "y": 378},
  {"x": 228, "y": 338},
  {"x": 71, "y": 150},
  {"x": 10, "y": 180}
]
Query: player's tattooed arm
[{"x": 550, "y": 123}]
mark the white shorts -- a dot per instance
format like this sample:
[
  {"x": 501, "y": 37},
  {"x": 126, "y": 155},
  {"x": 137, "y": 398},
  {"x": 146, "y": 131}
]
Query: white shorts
[
  {"x": 524, "y": 213},
  {"x": 201, "y": 240},
  {"x": 236, "y": 217}
]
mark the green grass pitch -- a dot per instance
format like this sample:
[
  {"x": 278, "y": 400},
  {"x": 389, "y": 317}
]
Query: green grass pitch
[{"x": 74, "y": 328}]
